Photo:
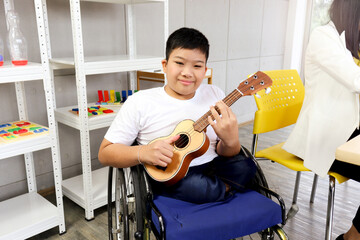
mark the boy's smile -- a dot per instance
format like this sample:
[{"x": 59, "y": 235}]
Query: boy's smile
[{"x": 184, "y": 71}]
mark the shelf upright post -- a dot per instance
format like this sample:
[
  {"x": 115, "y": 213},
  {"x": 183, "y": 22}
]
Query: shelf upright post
[
  {"x": 44, "y": 43},
  {"x": 51, "y": 82},
  {"x": 131, "y": 40},
  {"x": 166, "y": 28},
  {"x": 166, "y": 22},
  {"x": 82, "y": 104}
]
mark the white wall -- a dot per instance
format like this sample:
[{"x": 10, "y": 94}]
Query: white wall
[{"x": 245, "y": 36}]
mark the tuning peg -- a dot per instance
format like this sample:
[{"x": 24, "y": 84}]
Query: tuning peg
[
  {"x": 267, "y": 90},
  {"x": 257, "y": 95}
]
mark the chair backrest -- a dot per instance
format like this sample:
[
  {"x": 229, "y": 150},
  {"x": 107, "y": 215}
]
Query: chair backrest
[
  {"x": 357, "y": 61},
  {"x": 279, "y": 108}
]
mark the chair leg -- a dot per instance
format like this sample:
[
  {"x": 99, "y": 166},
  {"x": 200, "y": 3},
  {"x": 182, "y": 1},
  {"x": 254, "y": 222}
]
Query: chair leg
[
  {"x": 313, "y": 190},
  {"x": 254, "y": 144},
  {"x": 296, "y": 188},
  {"x": 330, "y": 208},
  {"x": 294, "y": 208}
]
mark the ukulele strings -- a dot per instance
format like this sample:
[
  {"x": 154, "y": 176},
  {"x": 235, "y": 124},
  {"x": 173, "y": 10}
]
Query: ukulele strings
[{"x": 204, "y": 123}]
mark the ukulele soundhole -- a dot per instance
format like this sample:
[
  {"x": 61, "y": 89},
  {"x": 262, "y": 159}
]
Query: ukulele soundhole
[
  {"x": 182, "y": 142},
  {"x": 161, "y": 168}
]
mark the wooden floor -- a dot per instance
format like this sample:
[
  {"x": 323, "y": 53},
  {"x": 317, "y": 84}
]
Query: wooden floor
[{"x": 308, "y": 224}]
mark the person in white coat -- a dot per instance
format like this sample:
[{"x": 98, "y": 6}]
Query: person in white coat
[{"x": 330, "y": 112}]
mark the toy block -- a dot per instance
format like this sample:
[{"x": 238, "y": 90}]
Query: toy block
[
  {"x": 112, "y": 96},
  {"x": 106, "y": 96},
  {"x": 118, "y": 98},
  {"x": 123, "y": 93},
  {"x": 100, "y": 94}
]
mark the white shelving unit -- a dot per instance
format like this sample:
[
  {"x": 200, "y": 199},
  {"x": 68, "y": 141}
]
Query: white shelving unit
[
  {"x": 64, "y": 116},
  {"x": 30, "y": 214},
  {"x": 89, "y": 189}
]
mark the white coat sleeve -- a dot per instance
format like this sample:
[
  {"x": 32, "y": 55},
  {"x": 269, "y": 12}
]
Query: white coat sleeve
[{"x": 329, "y": 53}]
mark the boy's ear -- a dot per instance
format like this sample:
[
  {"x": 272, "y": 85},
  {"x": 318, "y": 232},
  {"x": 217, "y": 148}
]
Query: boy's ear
[{"x": 164, "y": 63}]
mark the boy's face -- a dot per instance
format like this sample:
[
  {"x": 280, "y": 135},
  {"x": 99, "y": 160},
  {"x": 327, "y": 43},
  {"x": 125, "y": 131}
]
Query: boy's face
[{"x": 184, "y": 71}]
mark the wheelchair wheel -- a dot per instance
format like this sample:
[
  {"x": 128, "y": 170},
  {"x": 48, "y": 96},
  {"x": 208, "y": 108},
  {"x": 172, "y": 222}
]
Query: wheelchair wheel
[
  {"x": 280, "y": 233},
  {"x": 136, "y": 216},
  {"x": 129, "y": 214},
  {"x": 121, "y": 210},
  {"x": 273, "y": 233}
]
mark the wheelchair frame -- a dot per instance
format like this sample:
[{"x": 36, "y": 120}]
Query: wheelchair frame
[{"x": 134, "y": 202}]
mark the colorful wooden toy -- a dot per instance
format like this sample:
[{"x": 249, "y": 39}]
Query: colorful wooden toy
[
  {"x": 123, "y": 95},
  {"x": 100, "y": 94},
  {"x": 114, "y": 98},
  {"x": 20, "y": 130},
  {"x": 93, "y": 111},
  {"x": 106, "y": 96}
]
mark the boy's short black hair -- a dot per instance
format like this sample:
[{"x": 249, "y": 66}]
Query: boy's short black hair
[{"x": 187, "y": 38}]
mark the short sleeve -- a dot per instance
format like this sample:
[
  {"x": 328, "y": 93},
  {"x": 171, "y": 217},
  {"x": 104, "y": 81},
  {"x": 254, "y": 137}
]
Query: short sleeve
[{"x": 125, "y": 127}]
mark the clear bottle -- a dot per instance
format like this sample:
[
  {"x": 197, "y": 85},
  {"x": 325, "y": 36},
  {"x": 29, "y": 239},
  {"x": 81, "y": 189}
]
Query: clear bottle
[
  {"x": 1, "y": 52},
  {"x": 16, "y": 40}
]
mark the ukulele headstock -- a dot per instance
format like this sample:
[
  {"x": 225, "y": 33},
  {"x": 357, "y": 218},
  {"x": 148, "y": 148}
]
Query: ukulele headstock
[{"x": 256, "y": 82}]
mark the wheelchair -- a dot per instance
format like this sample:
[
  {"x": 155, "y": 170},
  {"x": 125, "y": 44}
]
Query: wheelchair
[{"x": 137, "y": 212}]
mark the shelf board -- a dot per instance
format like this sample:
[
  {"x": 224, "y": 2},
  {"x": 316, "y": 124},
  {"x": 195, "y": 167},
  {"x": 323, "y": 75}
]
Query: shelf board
[
  {"x": 26, "y": 215},
  {"x": 110, "y": 64},
  {"x": 123, "y": 1},
  {"x": 73, "y": 188},
  {"x": 11, "y": 73},
  {"x": 63, "y": 115},
  {"x": 25, "y": 146}
]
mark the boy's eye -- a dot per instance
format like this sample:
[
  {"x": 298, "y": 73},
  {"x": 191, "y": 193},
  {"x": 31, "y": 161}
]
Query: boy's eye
[
  {"x": 198, "y": 66},
  {"x": 180, "y": 63}
]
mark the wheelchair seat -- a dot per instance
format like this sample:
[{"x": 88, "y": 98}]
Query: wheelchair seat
[
  {"x": 240, "y": 214},
  {"x": 139, "y": 211}
]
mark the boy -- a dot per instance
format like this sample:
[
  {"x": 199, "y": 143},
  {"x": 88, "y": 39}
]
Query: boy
[{"x": 154, "y": 113}]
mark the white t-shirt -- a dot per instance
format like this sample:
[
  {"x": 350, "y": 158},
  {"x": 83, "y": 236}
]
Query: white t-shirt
[{"x": 152, "y": 113}]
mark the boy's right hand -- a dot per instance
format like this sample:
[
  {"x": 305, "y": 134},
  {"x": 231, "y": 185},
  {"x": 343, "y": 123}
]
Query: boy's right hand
[{"x": 158, "y": 153}]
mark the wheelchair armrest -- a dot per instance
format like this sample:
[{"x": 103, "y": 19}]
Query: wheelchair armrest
[
  {"x": 161, "y": 234},
  {"x": 260, "y": 178},
  {"x": 149, "y": 200},
  {"x": 262, "y": 185},
  {"x": 279, "y": 199},
  {"x": 148, "y": 188}
]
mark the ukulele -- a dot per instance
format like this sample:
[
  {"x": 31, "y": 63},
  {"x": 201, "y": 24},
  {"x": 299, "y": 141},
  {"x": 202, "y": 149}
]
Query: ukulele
[{"x": 193, "y": 141}]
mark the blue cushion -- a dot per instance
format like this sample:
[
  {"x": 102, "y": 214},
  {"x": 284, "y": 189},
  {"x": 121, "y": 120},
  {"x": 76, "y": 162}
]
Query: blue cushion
[{"x": 239, "y": 215}]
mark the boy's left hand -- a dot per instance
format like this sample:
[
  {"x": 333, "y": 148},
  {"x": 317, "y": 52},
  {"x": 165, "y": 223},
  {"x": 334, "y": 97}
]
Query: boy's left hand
[{"x": 225, "y": 125}]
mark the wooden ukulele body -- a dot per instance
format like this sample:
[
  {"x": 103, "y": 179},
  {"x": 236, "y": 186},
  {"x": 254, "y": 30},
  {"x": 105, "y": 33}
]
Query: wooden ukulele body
[{"x": 190, "y": 145}]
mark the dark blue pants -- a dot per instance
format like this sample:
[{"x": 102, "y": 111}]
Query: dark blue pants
[{"x": 206, "y": 183}]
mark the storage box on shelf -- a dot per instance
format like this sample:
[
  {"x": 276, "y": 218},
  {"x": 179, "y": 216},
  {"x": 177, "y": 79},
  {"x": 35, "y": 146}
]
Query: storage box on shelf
[{"x": 89, "y": 189}]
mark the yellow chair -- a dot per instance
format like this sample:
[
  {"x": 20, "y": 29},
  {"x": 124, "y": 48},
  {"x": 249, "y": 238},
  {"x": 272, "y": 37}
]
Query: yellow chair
[
  {"x": 276, "y": 110},
  {"x": 357, "y": 61}
]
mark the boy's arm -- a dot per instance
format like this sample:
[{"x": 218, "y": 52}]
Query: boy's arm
[
  {"x": 122, "y": 156},
  {"x": 118, "y": 155},
  {"x": 226, "y": 128}
]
